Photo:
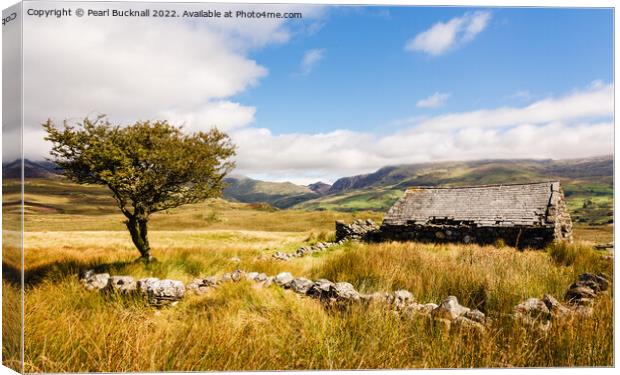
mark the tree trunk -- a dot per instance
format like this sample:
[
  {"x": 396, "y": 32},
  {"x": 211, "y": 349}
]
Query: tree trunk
[{"x": 138, "y": 230}]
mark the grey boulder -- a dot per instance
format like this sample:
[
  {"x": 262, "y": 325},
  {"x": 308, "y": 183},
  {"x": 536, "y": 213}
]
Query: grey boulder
[
  {"x": 301, "y": 285},
  {"x": 449, "y": 309},
  {"x": 283, "y": 279},
  {"x": 122, "y": 284},
  {"x": 164, "y": 292}
]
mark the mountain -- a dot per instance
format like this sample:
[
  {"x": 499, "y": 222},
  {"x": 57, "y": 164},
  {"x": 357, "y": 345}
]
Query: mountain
[
  {"x": 320, "y": 187},
  {"x": 476, "y": 173},
  {"x": 32, "y": 169},
  {"x": 587, "y": 183},
  {"x": 277, "y": 194}
]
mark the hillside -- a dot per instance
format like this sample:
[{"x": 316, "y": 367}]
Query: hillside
[
  {"x": 478, "y": 172},
  {"x": 588, "y": 183},
  {"x": 277, "y": 194},
  {"x": 38, "y": 169}
]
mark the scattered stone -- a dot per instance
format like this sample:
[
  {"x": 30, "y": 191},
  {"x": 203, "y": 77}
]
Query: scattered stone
[
  {"x": 201, "y": 286},
  {"x": 533, "y": 308},
  {"x": 165, "y": 292},
  {"x": 476, "y": 316},
  {"x": 301, "y": 285},
  {"x": 402, "y": 298},
  {"x": 85, "y": 274},
  {"x": 281, "y": 256},
  {"x": 237, "y": 275},
  {"x": 579, "y": 294},
  {"x": 225, "y": 278},
  {"x": 235, "y": 260},
  {"x": 556, "y": 309},
  {"x": 251, "y": 276},
  {"x": 358, "y": 230},
  {"x": 94, "y": 281},
  {"x": 142, "y": 284},
  {"x": 598, "y": 283},
  {"x": 420, "y": 309},
  {"x": 283, "y": 279},
  {"x": 320, "y": 289},
  {"x": 330, "y": 292},
  {"x": 534, "y": 313},
  {"x": 344, "y": 291},
  {"x": 449, "y": 309},
  {"x": 121, "y": 284}
]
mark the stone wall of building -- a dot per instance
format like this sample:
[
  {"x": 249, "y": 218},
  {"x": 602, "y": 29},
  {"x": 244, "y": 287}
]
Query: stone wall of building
[
  {"x": 562, "y": 222},
  {"x": 521, "y": 237}
]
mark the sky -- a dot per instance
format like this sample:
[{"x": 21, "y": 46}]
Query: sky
[{"x": 343, "y": 91}]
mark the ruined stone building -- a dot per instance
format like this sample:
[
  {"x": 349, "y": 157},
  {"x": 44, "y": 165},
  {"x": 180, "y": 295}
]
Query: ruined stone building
[{"x": 522, "y": 215}]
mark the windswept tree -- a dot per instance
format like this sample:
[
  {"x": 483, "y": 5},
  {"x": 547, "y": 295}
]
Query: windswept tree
[{"x": 148, "y": 166}]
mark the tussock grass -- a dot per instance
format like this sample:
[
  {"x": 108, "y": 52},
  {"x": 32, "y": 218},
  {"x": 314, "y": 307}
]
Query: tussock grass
[
  {"x": 242, "y": 327},
  {"x": 579, "y": 256},
  {"x": 491, "y": 279}
]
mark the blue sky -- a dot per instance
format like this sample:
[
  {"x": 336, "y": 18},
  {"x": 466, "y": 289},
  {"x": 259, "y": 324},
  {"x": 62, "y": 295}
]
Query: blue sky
[
  {"x": 345, "y": 91},
  {"x": 368, "y": 81}
]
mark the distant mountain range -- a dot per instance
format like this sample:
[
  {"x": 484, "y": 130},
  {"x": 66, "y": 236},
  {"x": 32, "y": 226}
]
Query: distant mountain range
[
  {"x": 587, "y": 182},
  {"x": 277, "y": 194},
  {"x": 32, "y": 169}
]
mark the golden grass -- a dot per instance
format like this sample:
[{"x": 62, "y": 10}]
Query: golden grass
[{"x": 241, "y": 327}]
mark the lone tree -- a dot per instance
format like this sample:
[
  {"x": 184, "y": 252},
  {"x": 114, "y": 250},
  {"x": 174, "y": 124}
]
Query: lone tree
[{"x": 148, "y": 166}]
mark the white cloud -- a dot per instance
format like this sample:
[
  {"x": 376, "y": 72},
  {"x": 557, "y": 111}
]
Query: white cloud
[
  {"x": 549, "y": 128},
  {"x": 443, "y": 36},
  {"x": 593, "y": 102},
  {"x": 310, "y": 59},
  {"x": 184, "y": 70},
  {"x": 436, "y": 100},
  {"x": 224, "y": 115},
  {"x": 189, "y": 72}
]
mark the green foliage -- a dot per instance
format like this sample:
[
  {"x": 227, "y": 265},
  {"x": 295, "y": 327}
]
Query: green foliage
[{"x": 148, "y": 166}]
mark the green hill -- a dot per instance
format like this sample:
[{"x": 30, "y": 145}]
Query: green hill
[
  {"x": 277, "y": 194},
  {"x": 587, "y": 183}
]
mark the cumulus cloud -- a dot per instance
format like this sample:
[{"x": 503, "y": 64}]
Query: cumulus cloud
[
  {"x": 443, "y": 36},
  {"x": 578, "y": 124},
  {"x": 310, "y": 59},
  {"x": 592, "y": 102},
  {"x": 184, "y": 70},
  {"x": 190, "y": 73},
  {"x": 436, "y": 100}
]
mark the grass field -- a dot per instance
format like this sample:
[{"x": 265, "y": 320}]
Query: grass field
[{"x": 239, "y": 326}]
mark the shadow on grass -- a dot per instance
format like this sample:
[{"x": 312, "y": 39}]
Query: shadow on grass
[{"x": 57, "y": 270}]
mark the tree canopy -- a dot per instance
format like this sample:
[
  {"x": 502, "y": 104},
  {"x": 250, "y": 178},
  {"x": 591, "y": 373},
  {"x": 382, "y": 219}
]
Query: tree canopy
[{"x": 148, "y": 166}]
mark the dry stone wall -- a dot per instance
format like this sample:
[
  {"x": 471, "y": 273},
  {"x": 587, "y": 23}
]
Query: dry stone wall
[
  {"x": 534, "y": 312},
  {"x": 358, "y": 230},
  {"x": 305, "y": 250}
]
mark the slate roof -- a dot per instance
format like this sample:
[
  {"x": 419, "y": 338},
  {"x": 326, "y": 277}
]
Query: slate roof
[{"x": 483, "y": 206}]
